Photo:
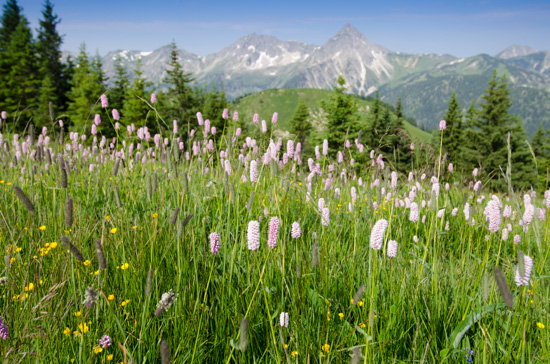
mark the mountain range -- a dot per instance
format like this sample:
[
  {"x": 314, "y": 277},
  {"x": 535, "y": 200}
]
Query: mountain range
[{"x": 423, "y": 81}]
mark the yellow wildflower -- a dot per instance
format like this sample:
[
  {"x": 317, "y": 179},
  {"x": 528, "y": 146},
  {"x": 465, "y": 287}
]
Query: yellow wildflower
[
  {"x": 125, "y": 302},
  {"x": 86, "y": 262},
  {"x": 362, "y": 325},
  {"x": 293, "y": 354},
  {"x": 109, "y": 357},
  {"x": 83, "y": 327},
  {"x": 42, "y": 228},
  {"x": 107, "y": 217},
  {"x": 67, "y": 331},
  {"x": 341, "y": 314},
  {"x": 124, "y": 266},
  {"x": 155, "y": 215},
  {"x": 78, "y": 314},
  {"x": 97, "y": 349},
  {"x": 53, "y": 245},
  {"x": 111, "y": 297},
  {"x": 326, "y": 348},
  {"x": 540, "y": 325},
  {"x": 113, "y": 230}
]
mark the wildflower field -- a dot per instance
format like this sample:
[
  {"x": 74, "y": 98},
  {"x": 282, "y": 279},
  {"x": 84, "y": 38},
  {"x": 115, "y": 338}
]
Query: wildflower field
[{"x": 227, "y": 248}]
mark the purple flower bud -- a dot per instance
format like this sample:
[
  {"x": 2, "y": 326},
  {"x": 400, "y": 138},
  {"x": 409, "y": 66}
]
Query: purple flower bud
[
  {"x": 442, "y": 125},
  {"x": 200, "y": 119},
  {"x": 274, "y": 118},
  {"x": 225, "y": 114},
  {"x": 3, "y": 328},
  {"x": 94, "y": 129},
  {"x": 214, "y": 243},
  {"x": 97, "y": 119},
  {"x": 153, "y": 99},
  {"x": 104, "y": 102},
  {"x": 116, "y": 115},
  {"x": 256, "y": 118}
]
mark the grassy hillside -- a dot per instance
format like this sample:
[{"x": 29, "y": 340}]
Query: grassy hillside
[{"x": 285, "y": 102}]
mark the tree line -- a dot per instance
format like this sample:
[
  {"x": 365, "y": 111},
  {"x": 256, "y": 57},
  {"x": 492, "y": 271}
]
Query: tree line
[
  {"x": 39, "y": 87},
  {"x": 486, "y": 137}
]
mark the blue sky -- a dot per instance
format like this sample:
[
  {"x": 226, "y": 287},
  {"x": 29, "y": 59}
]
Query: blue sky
[{"x": 460, "y": 28}]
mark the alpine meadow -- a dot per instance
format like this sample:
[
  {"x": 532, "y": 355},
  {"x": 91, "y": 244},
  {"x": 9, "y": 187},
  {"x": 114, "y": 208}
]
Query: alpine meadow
[{"x": 162, "y": 221}]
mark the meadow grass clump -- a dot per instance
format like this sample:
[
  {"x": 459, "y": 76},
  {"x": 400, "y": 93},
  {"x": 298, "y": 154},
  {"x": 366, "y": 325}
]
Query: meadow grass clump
[{"x": 273, "y": 254}]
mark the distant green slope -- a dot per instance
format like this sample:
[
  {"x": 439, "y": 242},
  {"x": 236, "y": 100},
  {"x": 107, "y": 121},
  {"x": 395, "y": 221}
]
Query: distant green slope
[{"x": 285, "y": 102}]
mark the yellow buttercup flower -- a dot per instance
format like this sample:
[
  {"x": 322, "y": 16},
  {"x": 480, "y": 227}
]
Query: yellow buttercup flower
[
  {"x": 67, "y": 331},
  {"x": 155, "y": 215},
  {"x": 42, "y": 228},
  {"x": 540, "y": 325},
  {"x": 125, "y": 302},
  {"x": 109, "y": 357},
  {"x": 113, "y": 230},
  {"x": 111, "y": 297},
  {"x": 293, "y": 354},
  {"x": 326, "y": 348},
  {"x": 341, "y": 314},
  {"x": 107, "y": 217},
  {"x": 86, "y": 262},
  {"x": 78, "y": 314},
  {"x": 53, "y": 245},
  {"x": 97, "y": 349}
]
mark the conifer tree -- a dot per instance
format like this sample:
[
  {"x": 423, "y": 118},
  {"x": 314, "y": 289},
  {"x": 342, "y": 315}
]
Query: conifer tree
[
  {"x": 213, "y": 106},
  {"x": 495, "y": 123},
  {"x": 134, "y": 109},
  {"x": 300, "y": 125},
  {"x": 453, "y": 135},
  {"x": 540, "y": 145},
  {"x": 84, "y": 94},
  {"x": 48, "y": 48},
  {"x": 342, "y": 117},
  {"x": 120, "y": 87},
  {"x": 11, "y": 17},
  {"x": 20, "y": 82},
  {"x": 178, "y": 102}
]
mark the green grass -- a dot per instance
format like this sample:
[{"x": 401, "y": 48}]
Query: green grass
[
  {"x": 425, "y": 305},
  {"x": 285, "y": 102}
]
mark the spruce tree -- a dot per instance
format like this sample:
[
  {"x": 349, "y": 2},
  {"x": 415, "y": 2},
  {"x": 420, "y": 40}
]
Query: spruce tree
[
  {"x": 453, "y": 134},
  {"x": 21, "y": 81},
  {"x": 540, "y": 145},
  {"x": 213, "y": 106},
  {"x": 49, "y": 55},
  {"x": 178, "y": 102},
  {"x": 135, "y": 109},
  {"x": 470, "y": 156},
  {"x": 495, "y": 123},
  {"x": 11, "y": 17},
  {"x": 342, "y": 117},
  {"x": 120, "y": 86},
  {"x": 84, "y": 93},
  {"x": 300, "y": 125}
]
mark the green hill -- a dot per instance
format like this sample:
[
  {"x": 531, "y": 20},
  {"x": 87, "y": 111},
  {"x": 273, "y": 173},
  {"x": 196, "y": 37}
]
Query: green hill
[{"x": 285, "y": 102}]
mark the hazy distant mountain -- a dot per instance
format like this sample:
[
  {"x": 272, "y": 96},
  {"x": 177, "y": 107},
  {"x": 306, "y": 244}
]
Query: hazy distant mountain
[
  {"x": 516, "y": 50},
  {"x": 424, "y": 81}
]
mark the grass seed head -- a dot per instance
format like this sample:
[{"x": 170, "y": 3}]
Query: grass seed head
[
  {"x": 73, "y": 249},
  {"x": 100, "y": 255},
  {"x": 69, "y": 218},
  {"x": 23, "y": 198},
  {"x": 174, "y": 217},
  {"x": 243, "y": 334},
  {"x": 165, "y": 356},
  {"x": 503, "y": 288}
]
